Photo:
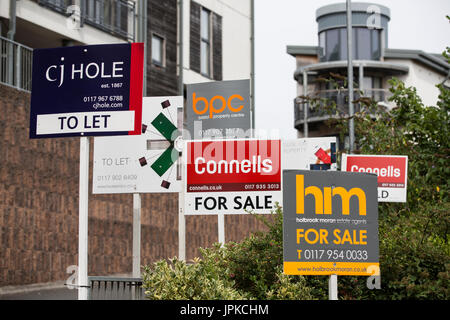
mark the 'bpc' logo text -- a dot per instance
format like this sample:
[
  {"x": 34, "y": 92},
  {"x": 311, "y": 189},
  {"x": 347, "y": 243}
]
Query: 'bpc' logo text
[{"x": 209, "y": 105}]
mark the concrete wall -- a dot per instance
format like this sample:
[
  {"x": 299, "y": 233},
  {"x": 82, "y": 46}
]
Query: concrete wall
[
  {"x": 422, "y": 78},
  {"x": 39, "y": 27},
  {"x": 236, "y": 45}
]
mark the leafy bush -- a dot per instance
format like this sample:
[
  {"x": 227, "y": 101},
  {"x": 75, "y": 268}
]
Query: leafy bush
[
  {"x": 180, "y": 281},
  {"x": 251, "y": 269}
]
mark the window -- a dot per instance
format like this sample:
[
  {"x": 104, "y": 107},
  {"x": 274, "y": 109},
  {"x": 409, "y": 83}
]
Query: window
[
  {"x": 110, "y": 16},
  {"x": 376, "y": 39},
  {"x": 363, "y": 44},
  {"x": 322, "y": 45},
  {"x": 367, "y": 83},
  {"x": 343, "y": 43},
  {"x": 333, "y": 44},
  {"x": 205, "y": 42},
  {"x": 158, "y": 50}
]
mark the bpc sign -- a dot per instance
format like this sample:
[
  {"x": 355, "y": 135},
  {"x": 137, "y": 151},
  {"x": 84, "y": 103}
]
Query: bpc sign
[
  {"x": 232, "y": 176},
  {"x": 87, "y": 90},
  {"x": 330, "y": 223},
  {"x": 392, "y": 172},
  {"x": 218, "y": 109}
]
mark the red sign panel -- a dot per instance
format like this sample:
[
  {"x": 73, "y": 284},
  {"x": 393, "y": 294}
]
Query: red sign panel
[
  {"x": 392, "y": 172},
  {"x": 233, "y": 165}
]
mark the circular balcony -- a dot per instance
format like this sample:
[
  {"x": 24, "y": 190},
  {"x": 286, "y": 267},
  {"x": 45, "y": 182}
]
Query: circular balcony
[{"x": 316, "y": 105}]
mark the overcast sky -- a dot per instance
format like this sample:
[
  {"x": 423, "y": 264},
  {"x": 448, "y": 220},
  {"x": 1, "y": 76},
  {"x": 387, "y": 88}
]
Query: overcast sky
[{"x": 415, "y": 24}]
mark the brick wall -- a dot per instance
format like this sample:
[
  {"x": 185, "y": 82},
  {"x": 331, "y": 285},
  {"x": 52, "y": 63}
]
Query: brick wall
[{"x": 39, "y": 210}]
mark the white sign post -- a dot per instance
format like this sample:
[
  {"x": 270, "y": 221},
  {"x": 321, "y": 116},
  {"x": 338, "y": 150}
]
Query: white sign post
[
  {"x": 136, "y": 235},
  {"x": 83, "y": 220},
  {"x": 332, "y": 287},
  {"x": 181, "y": 221}
]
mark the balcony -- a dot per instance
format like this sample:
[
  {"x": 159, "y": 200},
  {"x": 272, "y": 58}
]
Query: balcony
[
  {"x": 15, "y": 64},
  {"x": 111, "y": 16},
  {"x": 318, "y": 113}
]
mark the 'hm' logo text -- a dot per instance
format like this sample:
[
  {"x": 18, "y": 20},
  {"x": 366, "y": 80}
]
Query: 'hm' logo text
[{"x": 323, "y": 198}]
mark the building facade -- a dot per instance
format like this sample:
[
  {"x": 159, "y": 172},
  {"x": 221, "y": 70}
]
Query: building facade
[
  {"x": 39, "y": 178},
  {"x": 214, "y": 37},
  {"x": 374, "y": 63}
]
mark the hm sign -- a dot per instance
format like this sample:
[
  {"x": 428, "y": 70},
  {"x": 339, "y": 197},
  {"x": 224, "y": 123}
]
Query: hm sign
[{"x": 330, "y": 223}]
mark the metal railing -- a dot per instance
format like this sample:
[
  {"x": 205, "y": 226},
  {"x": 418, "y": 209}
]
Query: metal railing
[
  {"x": 56, "y": 5},
  {"x": 15, "y": 64},
  {"x": 317, "y": 111},
  {"x": 114, "y": 288},
  {"x": 110, "y": 16}
]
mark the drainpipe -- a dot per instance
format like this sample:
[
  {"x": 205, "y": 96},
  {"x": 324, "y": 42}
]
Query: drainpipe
[
  {"x": 12, "y": 20},
  {"x": 144, "y": 40},
  {"x": 305, "y": 105},
  {"x": 252, "y": 63},
  {"x": 10, "y": 35},
  {"x": 180, "y": 28},
  {"x": 142, "y": 37},
  {"x": 351, "y": 110},
  {"x": 361, "y": 78}
]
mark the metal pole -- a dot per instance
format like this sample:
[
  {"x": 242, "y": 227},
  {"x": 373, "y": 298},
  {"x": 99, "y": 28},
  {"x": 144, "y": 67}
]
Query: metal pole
[
  {"x": 181, "y": 220},
  {"x": 221, "y": 228},
  {"x": 180, "y": 77},
  {"x": 142, "y": 37},
  {"x": 83, "y": 220},
  {"x": 136, "y": 264},
  {"x": 252, "y": 63},
  {"x": 332, "y": 287},
  {"x": 181, "y": 217},
  {"x": 12, "y": 20},
  {"x": 361, "y": 78},
  {"x": 18, "y": 66},
  {"x": 305, "y": 105},
  {"x": 351, "y": 110},
  {"x": 144, "y": 40},
  {"x": 138, "y": 17},
  {"x": 11, "y": 33},
  {"x": 136, "y": 235}
]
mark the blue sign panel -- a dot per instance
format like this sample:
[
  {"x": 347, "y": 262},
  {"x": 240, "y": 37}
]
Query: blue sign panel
[{"x": 87, "y": 90}]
